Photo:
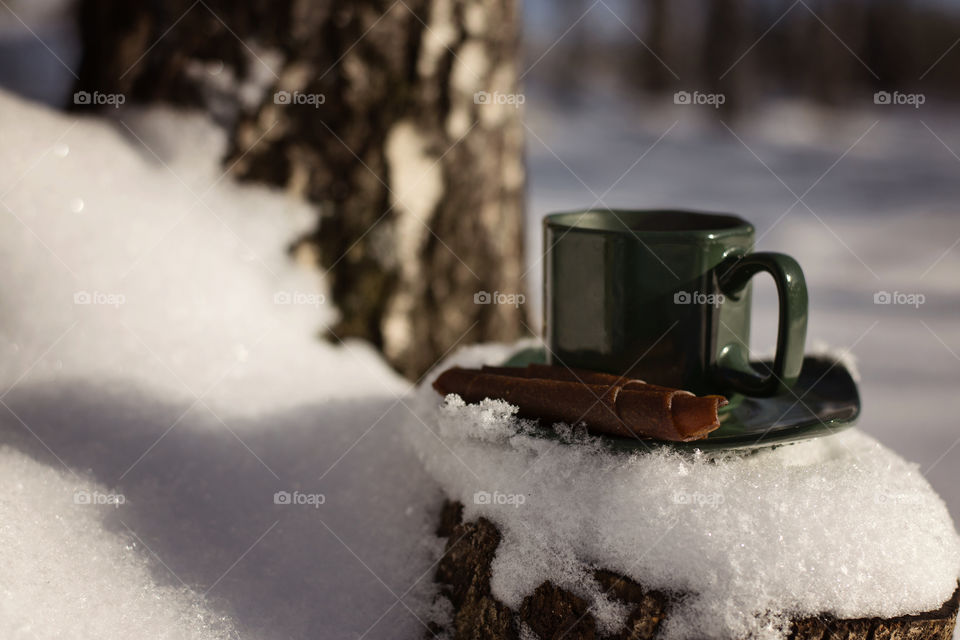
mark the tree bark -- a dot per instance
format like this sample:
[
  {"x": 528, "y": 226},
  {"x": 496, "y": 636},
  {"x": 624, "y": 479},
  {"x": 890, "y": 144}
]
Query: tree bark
[
  {"x": 368, "y": 110},
  {"x": 552, "y": 613}
]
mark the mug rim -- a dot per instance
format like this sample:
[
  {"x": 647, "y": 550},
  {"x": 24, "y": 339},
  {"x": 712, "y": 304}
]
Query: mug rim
[{"x": 724, "y": 224}]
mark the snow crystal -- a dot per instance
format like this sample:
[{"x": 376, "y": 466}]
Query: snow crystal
[{"x": 837, "y": 525}]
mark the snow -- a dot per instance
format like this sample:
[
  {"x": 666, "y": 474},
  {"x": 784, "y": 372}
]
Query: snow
[
  {"x": 838, "y": 525},
  {"x": 61, "y": 540},
  {"x": 144, "y": 435}
]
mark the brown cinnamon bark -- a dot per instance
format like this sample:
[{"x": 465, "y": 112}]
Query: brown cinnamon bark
[
  {"x": 606, "y": 403},
  {"x": 553, "y": 372}
]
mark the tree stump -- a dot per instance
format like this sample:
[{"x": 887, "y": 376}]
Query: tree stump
[
  {"x": 419, "y": 181},
  {"x": 552, "y": 613}
]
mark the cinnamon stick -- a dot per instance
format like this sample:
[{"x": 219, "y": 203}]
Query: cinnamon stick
[
  {"x": 553, "y": 372},
  {"x": 606, "y": 403}
]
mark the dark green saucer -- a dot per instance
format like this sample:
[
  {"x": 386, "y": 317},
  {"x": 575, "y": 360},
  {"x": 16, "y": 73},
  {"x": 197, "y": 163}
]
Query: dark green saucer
[{"x": 824, "y": 401}]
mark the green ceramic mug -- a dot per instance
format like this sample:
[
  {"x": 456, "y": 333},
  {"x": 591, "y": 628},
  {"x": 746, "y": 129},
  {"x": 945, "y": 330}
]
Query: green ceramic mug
[{"x": 664, "y": 296}]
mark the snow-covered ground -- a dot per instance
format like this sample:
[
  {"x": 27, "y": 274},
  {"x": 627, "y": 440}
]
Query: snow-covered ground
[
  {"x": 161, "y": 382},
  {"x": 158, "y": 349}
]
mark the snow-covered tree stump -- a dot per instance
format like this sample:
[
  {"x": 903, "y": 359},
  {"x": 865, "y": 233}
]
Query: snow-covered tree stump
[{"x": 551, "y": 613}]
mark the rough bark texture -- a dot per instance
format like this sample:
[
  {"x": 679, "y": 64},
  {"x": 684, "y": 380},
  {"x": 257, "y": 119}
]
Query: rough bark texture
[
  {"x": 552, "y": 613},
  {"x": 465, "y": 573},
  {"x": 419, "y": 187}
]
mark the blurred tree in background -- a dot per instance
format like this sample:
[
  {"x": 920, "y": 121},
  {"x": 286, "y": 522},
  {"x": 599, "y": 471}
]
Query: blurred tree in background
[
  {"x": 419, "y": 184},
  {"x": 752, "y": 50}
]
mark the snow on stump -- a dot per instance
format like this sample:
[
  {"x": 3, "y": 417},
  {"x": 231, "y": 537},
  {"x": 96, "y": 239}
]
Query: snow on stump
[
  {"x": 551, "y": 612},
  {"x": 562, "y": 537}
]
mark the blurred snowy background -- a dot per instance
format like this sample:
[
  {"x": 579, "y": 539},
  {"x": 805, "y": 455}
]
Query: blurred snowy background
[
  {"x": 865, "y": 196},
  {"x": 198, "y": 399}
]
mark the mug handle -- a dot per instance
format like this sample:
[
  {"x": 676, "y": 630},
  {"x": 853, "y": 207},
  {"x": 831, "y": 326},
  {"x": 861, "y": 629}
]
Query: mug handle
[{"x": 734, "y": 370}]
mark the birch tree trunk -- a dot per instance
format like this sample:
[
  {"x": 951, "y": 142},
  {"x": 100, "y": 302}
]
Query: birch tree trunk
[{"x": 372, "y": 110}]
